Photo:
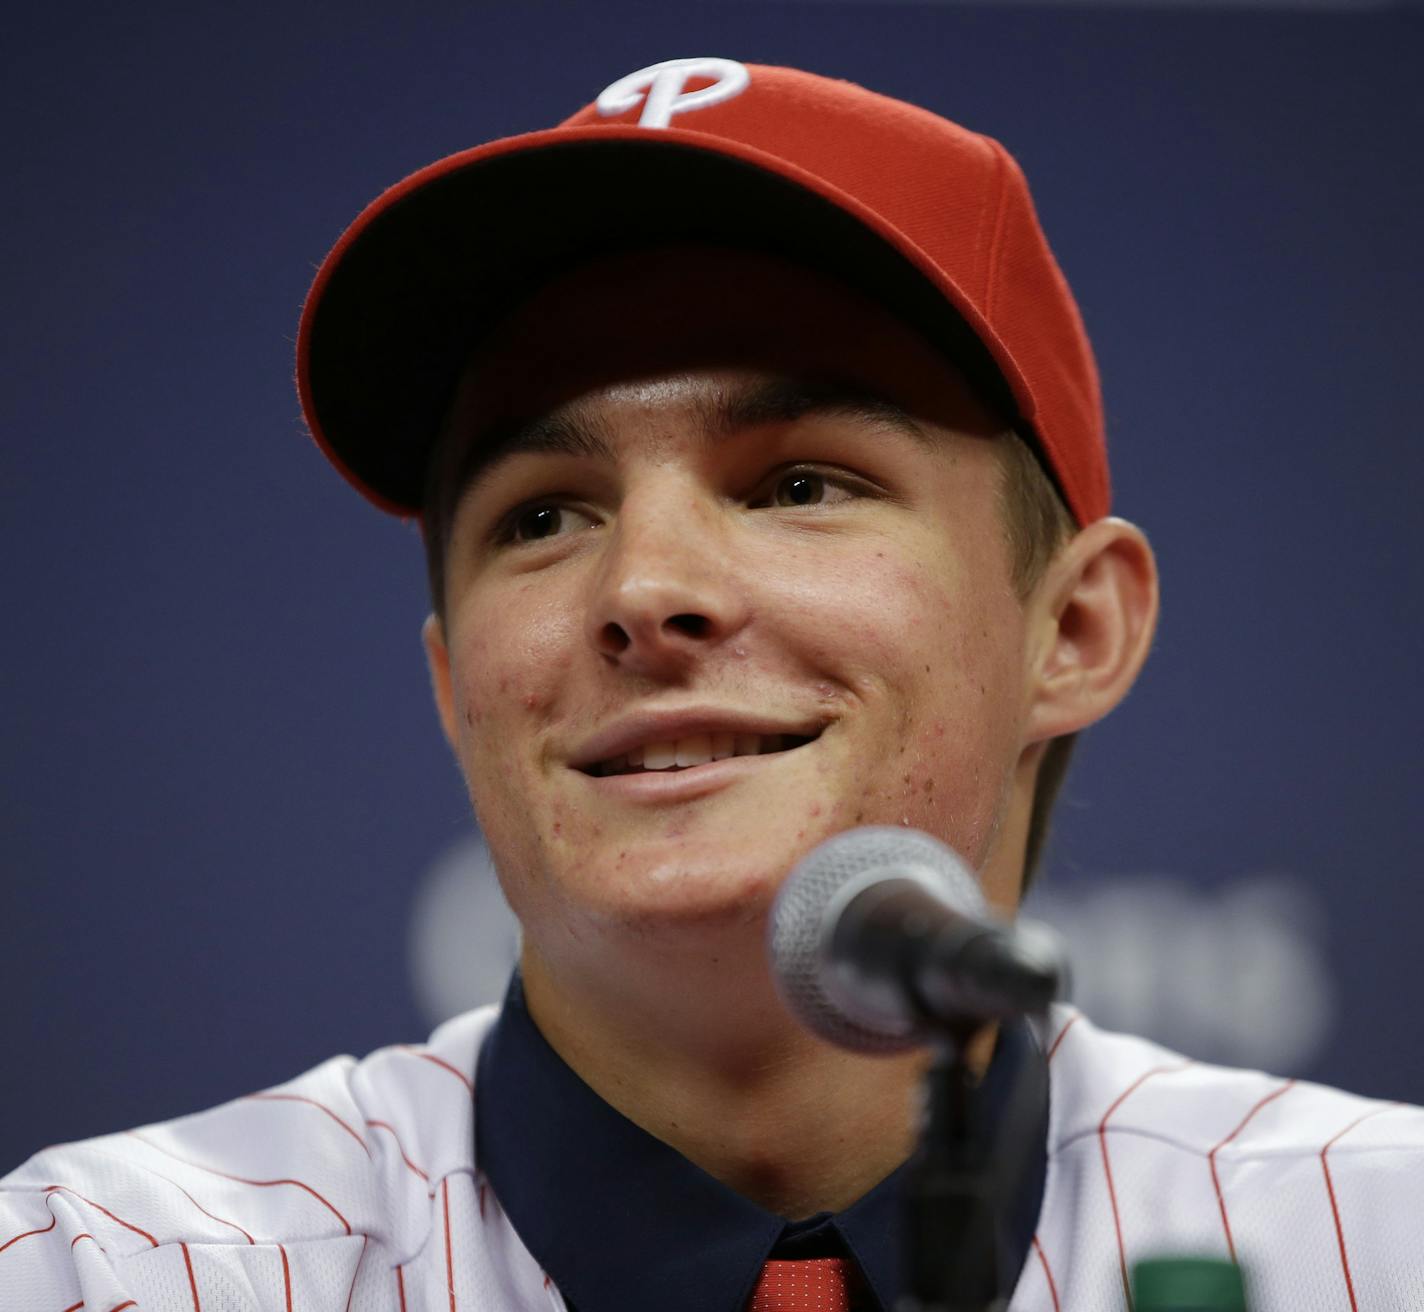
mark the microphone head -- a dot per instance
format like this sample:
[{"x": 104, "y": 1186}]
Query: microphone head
[{"x": 803, "y": 920}]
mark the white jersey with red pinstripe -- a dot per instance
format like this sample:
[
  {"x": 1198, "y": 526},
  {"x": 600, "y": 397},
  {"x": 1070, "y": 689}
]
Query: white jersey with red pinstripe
[{"x": 354, "y": 1188}]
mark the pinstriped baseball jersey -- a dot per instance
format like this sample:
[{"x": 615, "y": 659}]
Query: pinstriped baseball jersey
[{"x": 354, "y": 1188}]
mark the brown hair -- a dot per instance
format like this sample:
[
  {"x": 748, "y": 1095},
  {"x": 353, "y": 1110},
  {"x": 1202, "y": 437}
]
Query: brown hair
[{"x": 1036, "y": 523}]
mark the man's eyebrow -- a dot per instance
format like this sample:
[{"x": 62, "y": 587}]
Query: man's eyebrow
[
  {"x": 785, "y": 400},
  {"x": 775, "y": 401},
  {"x": 567, "y": 434}
]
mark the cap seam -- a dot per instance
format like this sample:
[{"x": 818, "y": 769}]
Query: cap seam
[{"x": 996, "y": 238}]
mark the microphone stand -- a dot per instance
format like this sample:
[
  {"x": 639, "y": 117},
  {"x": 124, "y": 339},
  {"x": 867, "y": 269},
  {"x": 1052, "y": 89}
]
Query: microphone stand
[{"x": 958, "y": 1181}]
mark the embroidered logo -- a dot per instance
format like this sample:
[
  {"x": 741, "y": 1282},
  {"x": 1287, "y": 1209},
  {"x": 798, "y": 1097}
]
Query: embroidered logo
[{"x": 660, "y": 89}]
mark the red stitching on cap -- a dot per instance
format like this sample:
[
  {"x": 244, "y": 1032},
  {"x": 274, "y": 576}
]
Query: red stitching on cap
[{"x": 996, "y": 238}]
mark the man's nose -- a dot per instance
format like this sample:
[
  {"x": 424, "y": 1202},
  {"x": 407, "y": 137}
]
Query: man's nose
[{"x": 667, "y": 593}]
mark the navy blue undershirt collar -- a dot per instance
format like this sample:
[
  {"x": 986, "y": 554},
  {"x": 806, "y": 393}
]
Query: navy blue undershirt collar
[{"x": 622, "y": 1222}]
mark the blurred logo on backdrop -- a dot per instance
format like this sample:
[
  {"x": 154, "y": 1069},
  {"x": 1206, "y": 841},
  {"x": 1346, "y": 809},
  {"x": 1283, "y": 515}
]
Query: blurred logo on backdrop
[{"x": 1236, "y": 974}]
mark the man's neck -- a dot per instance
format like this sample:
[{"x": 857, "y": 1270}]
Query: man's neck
[{"x": 708, "y": 1061}]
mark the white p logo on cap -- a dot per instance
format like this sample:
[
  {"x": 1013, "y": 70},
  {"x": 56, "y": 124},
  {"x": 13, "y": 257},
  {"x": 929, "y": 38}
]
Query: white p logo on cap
[{"x": 663, "y": 84}]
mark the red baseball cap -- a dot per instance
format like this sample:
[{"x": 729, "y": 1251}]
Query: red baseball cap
[{"x": 929, "y": 219}]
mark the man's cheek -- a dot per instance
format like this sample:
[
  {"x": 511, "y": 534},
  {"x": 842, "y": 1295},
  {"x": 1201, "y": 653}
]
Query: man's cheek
[
  {"x": 855, "y": 627},
  {"x": 511, "y": 678}
]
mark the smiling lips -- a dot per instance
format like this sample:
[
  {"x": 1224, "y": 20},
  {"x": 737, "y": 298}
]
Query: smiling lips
[{"x": 696, "y": 749}]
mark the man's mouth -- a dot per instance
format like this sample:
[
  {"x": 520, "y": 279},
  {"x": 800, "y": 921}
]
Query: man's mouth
[{"x": 697, "y": 749}]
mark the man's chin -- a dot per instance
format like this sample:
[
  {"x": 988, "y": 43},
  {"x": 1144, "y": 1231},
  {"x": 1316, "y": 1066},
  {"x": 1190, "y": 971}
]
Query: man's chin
[{"x": 687, "y": 887}]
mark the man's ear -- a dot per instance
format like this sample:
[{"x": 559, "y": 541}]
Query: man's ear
[
  {"x": 1092, "y": 618},
  {"x": 437, "y": 656}
]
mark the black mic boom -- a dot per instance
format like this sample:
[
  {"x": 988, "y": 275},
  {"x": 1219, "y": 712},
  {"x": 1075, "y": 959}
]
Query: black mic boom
[{"x": 880, "y": 941}]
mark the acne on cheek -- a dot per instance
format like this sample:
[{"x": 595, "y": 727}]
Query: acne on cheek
[
  {"x": 475, "y": 711},
  {"x": 470, "y": 707},
  {"x": 508, "y": 690}
]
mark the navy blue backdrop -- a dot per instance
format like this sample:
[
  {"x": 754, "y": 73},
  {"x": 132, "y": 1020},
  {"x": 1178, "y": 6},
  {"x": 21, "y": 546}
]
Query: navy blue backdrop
[{"x": 224, "y": 787}]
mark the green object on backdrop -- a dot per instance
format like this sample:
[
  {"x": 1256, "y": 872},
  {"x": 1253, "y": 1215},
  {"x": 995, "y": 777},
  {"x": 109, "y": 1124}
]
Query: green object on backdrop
[{"x": 1187, "y": 1284}]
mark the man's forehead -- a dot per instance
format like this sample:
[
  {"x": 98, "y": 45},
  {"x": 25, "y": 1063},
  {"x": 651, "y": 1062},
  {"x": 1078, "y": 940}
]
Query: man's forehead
[{"x": 709, "y": 408}]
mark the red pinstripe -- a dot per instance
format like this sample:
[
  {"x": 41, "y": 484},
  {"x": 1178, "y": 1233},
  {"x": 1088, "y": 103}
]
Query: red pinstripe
[
  {"x": 286, "y": 1277},
  {"x": 1211, "y": 1160},
  {"x": 443, "y": 1064},
  {"x": 86, "y": 1235},
  {"x": 192, "y": 1281},
  {"x": 400, "y": 1288},
  {"x": 390, "y": 1129},
  {"x": 119, "y": 1307},
  {"x": 261, "y": 1184},
  {"x": 232, "y": 1225},
  {"x": 1334, "y": 1204},
  {"x": 1053, "y": 1048},
  {"x": 449, "y": 1256},
  {"x": 221, "y": 1220},
  {"x": 75, "y": 1307},
  {"x": 26, "y": 1235},
  {"x": 366, "y": 1239},
  {"x": 310, "y": 1102},
  {"x": 1042, "y": 1257},
  {"x": 1107, "y": 1164},
  {"x": 53, "y": 1188}
]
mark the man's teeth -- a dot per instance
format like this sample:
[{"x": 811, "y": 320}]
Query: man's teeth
[{"x": 697, "y": 749}]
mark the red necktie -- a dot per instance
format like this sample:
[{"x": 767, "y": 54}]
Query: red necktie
[{"x": 811, "y": 1284}]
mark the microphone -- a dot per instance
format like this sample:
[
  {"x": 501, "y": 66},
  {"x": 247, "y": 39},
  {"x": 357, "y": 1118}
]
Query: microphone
[{"x": 880, "y": 941}]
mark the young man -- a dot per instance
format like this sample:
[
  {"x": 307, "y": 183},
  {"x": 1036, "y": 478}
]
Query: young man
[{"x": 757, "y": 447}]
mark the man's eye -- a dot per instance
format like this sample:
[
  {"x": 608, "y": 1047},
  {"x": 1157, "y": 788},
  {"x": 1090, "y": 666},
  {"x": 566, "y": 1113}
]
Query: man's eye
[
  {"x": 534, "y": 523},
  {"x": 809, "y": 487},
  {"x": 799, "y": 488}
]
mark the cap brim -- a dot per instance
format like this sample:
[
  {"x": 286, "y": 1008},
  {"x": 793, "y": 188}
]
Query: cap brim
[{"x": 426, "y": 269}]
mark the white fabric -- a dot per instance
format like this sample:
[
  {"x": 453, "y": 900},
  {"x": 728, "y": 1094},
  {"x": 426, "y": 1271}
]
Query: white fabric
[
  {"x": 663, "y": 84},
  {"x": 354, "y": 1188}
]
